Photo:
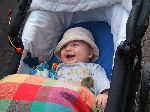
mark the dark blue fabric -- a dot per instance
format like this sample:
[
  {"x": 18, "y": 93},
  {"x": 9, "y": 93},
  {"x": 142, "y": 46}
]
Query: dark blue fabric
[{"x": 101, "y": 32}]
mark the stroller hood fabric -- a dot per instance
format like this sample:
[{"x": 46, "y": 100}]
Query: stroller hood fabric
[
  {"x": 76, "y": 5},
  {"x": 48, "y": 19}
]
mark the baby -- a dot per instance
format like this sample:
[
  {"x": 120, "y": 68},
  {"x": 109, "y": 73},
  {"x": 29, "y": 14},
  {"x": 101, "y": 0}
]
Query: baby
[{"x": 77, "y": 50}]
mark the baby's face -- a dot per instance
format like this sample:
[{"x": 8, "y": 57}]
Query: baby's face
[{"x": 76, "y": 51}]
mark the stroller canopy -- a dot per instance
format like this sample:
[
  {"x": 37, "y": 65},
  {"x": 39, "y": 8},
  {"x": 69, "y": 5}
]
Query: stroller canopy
[
  {"x": 76, "y": 5},
  {"x": 48, "y": 19}
]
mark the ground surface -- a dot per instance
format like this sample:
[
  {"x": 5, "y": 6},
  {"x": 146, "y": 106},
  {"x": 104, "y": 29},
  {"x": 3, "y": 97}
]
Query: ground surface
[{"x": 6, "y": 52}]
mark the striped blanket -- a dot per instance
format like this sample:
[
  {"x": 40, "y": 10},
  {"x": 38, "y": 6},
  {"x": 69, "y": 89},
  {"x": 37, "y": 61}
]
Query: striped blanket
[{"x": 29, "y": 93}]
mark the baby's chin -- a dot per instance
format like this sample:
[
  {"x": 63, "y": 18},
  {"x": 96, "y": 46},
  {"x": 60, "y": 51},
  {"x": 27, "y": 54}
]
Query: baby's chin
[{"x": 70, "y": 61}]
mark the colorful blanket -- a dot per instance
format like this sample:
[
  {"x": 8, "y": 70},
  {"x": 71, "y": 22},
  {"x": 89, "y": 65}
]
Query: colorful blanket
[{"x": 29, "y": 93}]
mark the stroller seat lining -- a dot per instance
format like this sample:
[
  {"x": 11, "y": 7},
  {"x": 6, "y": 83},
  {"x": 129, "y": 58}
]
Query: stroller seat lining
[{"x": 43, "y": 29}]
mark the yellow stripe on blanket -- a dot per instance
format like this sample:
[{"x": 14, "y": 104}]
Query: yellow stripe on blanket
[{"x": 18, "y": 78}]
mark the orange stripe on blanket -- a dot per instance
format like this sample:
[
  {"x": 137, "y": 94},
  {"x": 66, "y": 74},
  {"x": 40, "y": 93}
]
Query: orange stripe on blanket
[
  {"x": 8, "y": 90},
  {"x": 36, "y": 80},
  {"x": 86, "y": 94}
]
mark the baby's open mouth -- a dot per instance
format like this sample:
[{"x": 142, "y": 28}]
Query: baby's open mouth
[{"x": 70, "y": 56}]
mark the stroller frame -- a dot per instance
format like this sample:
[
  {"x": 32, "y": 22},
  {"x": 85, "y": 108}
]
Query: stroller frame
[{"x": 129, "y": 89}]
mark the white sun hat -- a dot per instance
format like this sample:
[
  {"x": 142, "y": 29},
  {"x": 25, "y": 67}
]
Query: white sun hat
[{"x": 78, "y": 33}]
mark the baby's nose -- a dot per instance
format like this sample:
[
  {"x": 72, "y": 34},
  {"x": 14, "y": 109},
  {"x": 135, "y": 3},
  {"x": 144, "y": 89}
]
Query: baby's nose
[{"x": 68, "y": 48}]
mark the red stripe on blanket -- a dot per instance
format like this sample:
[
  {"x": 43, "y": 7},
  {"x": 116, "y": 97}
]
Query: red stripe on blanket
[
  {"x": 80, "y": 106},
  {"x": 26, "y": 92}
]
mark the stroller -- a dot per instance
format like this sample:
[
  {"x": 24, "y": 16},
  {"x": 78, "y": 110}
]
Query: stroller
[{"x": 129, "y": 91}]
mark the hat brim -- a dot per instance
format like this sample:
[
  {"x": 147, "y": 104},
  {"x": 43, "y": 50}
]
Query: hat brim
[{"x": 88, "y": 41}]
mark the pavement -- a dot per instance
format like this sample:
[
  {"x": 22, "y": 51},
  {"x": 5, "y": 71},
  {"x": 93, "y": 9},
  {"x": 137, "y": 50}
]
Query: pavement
[{"x": 6, "y": 52}]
